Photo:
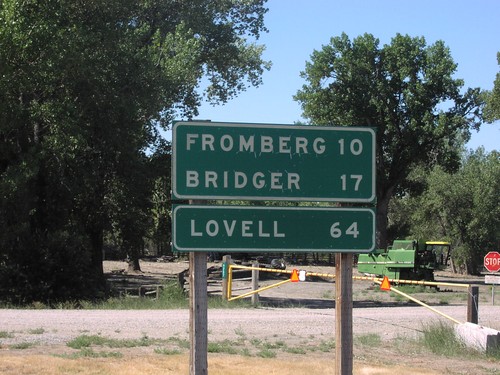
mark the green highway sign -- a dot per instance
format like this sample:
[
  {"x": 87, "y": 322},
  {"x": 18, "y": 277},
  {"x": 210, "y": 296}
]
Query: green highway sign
[
  {"x": 272, "y": 229},
  {"x": 272, "y": 162}
]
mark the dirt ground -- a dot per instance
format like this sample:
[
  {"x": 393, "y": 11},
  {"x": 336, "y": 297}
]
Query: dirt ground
[{"x": 295, "y": 323}]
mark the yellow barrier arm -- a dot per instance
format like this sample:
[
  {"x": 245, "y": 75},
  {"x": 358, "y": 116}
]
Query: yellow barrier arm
[
  {"x": 420, "y": 303},
  {"x": 259, "y": 290}
]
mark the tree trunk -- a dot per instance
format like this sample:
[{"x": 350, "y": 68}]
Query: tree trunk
[
  {"x": 133, "y": 260},
  {"x": 382, "y": 209},
  {"x": 96, "y": 257}
]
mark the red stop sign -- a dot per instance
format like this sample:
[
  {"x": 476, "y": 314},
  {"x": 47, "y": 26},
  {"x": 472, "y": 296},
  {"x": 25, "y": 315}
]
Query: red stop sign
[{"x": 492, "y": 261}]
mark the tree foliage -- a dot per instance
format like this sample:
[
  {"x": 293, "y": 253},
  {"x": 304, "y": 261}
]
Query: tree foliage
[
  {"x": 492, "y": 109},
  {"x": 461, "y": 207},
  {"x": 83, "y": 89},
  {"x": 405, "y": 90}
]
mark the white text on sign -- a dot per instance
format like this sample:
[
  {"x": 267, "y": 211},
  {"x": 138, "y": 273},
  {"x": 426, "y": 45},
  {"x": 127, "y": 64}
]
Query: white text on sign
[
  {"x": 240, "y": 180},
  {"x": 282, "y": 145},
  {"x": 246, "y": 228},
  {"x": 267, "y": 144}
]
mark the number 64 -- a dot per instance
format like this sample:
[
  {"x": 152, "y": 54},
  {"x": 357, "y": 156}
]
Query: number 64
[{"x": 336, "y": 232}]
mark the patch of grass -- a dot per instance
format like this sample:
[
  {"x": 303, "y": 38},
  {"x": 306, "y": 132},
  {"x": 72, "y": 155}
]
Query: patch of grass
[
  {"x": 327, "y": 295},
  {"x": 494, "y": 354},
  {"x": 242, "y": 337},
  {"x": 90, "y": 353},
  {"x": 86, "y": 341},
  {"x": 326, "y": 346},
  {"x": 67, "y": 305},
  {"x": 239, "y": 331},
  {"x": 274, "y": 345},
  {"x": 117, "y": 303},
  {"x": 440, "y": 338},
  {"x": 370, "y": 339},
  {"x": 398, "y": 297},
  {"x": 246, "y": 352},
  {"x": 6, "y": 335},
  {"x": 217, "y": 302},
  {"x": 445, "y": 300},
  {"x": 171, "y": 296},
  {"x": 295, "y": 350},
  {"x": 166, "y": 351},
  {"x": 37, "y": 306},
  {"x": 256, "y": 342},
  {"x": 22, "y": 345},
  {"x": 226, "y": 346},
  {"x": 181, "y": 343},
  {"x": 36, "y": 331},
  {"x": 266, "y": 353}
]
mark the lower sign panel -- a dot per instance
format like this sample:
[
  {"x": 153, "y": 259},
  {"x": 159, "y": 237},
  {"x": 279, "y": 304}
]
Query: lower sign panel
[{"x": 272, "y": 229}]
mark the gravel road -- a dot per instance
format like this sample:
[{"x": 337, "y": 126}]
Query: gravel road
[
  {"x": 57, "y": 327},
  {"x": 34, "y": 335}
]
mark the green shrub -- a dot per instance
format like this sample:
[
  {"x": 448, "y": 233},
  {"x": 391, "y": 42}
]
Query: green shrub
[
  {"x": 166, "y": 351},
  {"x": 440, "y": 338},
  {"x": 5, "y": 335},
  {"x": 86, "y": 341},
  {"x": 371, "y": 339},
  {"x": 225, "y": 346}
]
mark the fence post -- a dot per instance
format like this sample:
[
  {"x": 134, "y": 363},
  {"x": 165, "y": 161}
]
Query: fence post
[
  {"x": 472, "y": 304},
  {"x": 226, "y": 261},
  {"x": 255, "y": 284}
]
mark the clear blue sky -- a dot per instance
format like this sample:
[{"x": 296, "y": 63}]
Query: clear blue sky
[{"x": 471, "y": 29}]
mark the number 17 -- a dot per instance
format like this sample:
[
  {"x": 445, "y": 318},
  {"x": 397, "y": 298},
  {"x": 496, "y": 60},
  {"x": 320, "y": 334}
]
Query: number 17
[{"x": 356, "y": 177}]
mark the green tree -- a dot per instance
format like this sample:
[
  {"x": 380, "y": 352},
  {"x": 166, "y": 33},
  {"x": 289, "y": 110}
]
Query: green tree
[
  {"x": 83, "y": 88},
  {"x": 492, "y": 109},
  {"x": 406, "y": 90},
  {"x": 463, "y": 207},
  {"x": 160, "y": 230}
]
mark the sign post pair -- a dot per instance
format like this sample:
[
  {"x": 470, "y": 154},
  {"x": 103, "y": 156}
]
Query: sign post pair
[{"x": 220, "y": 161}]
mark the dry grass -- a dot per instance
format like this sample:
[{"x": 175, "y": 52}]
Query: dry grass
[{"x": 178, "y": 364}]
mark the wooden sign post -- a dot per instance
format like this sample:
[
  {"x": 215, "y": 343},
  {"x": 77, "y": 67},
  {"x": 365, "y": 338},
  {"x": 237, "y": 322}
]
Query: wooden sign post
[
  {"x": 198, "y": 316},
  {"x": 198, "y": 311},
  {"x": 343, "y": 313}
]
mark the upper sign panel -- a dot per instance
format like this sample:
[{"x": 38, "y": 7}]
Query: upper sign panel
[{"x": 273, "y": 162}]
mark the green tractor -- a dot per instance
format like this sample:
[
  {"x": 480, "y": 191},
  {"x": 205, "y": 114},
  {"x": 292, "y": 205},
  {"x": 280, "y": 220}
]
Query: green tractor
[{"x": 406, "y": 260}]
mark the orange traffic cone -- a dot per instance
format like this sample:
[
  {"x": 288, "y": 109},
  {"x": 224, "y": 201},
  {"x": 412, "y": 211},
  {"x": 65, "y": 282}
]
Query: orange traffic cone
[
  {"x": 295, "y": 276},
  {"x": 386, "y": 285}
]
